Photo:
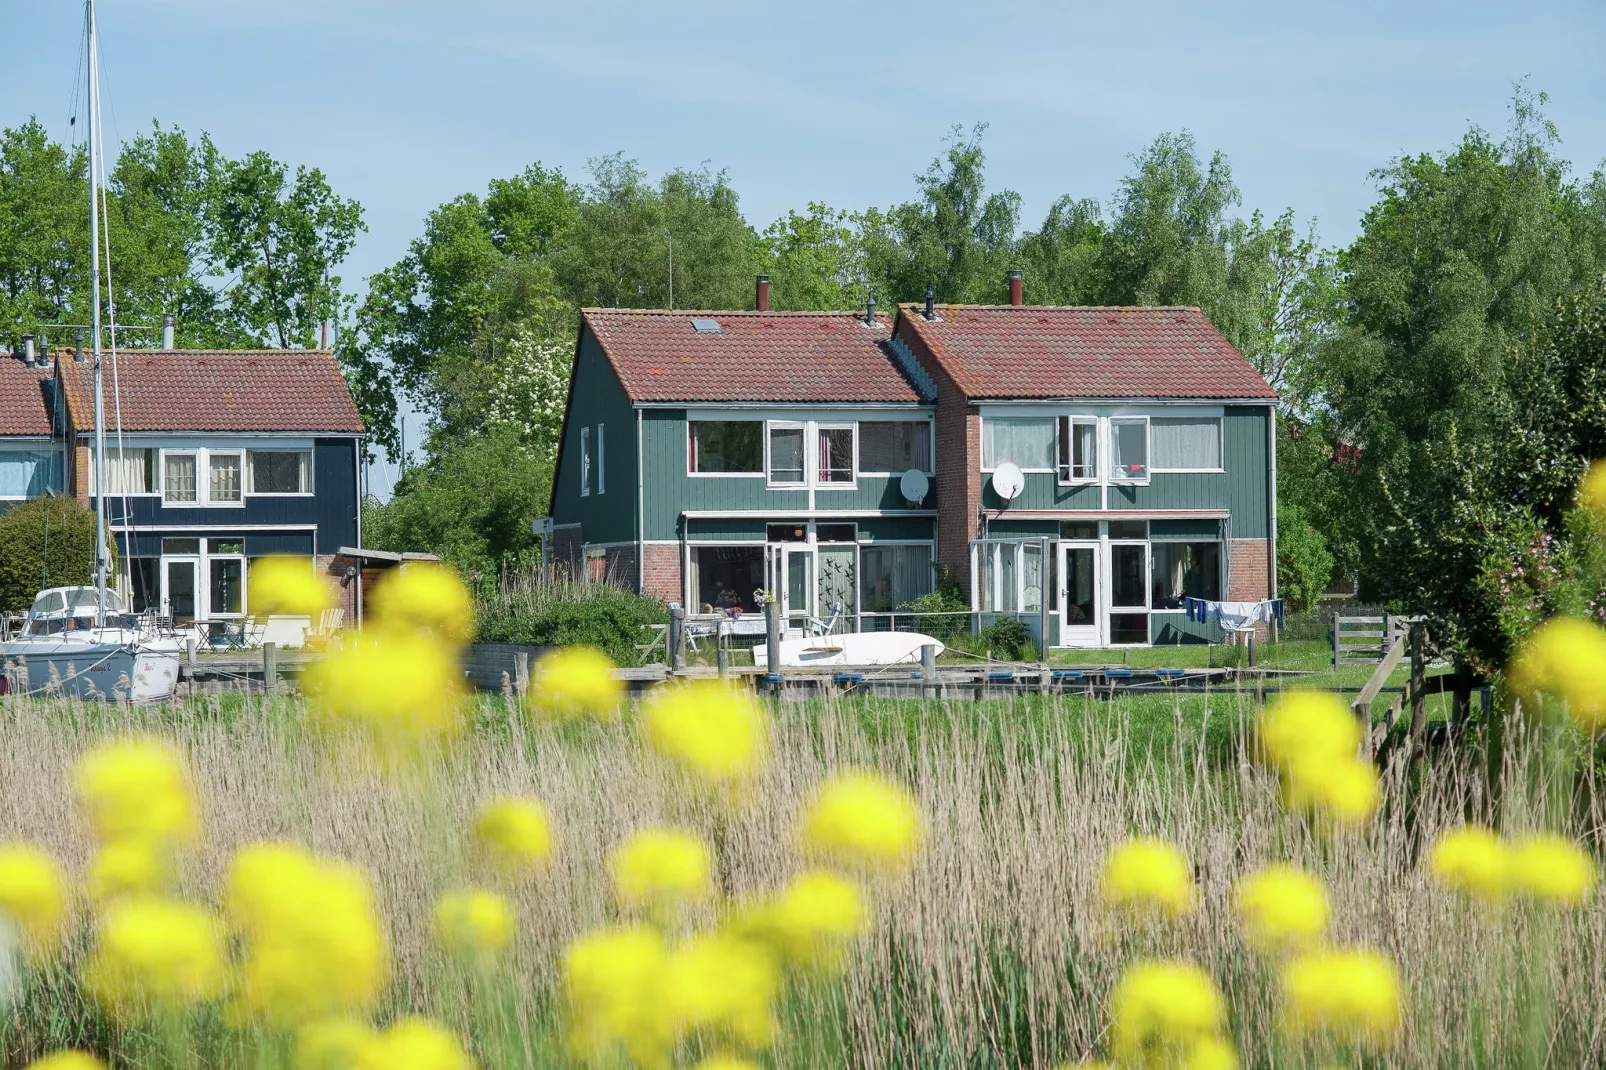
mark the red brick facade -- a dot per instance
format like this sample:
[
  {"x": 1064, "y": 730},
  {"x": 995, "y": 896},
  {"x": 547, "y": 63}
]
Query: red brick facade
[
  {"x": 663, "y": 571},
  {"x": 1250, "y": 579},
  {"x": 957, "y": 460}
]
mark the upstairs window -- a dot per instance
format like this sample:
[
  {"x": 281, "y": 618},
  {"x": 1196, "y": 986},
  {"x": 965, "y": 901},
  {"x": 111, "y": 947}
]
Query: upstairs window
[
  {"x": 29, "y": 473},
  {"x": 128, "y": 471},
  {"x": 1028, "y": 441},
  {"x": 1129, "y": 442},
  {"x": 888, "y": 447},
  {"x": 178, "y": 478},
  {"x": 1186, "y": 443},
  {"x": 223, "y": 484},
  {"x": 725, "y": 447},
  {"x": 787, "y": 466},
  {"x": 278, "y": 472},
  {"x": 836, "y": 454},
  {"x": 1078, "y": 449}
]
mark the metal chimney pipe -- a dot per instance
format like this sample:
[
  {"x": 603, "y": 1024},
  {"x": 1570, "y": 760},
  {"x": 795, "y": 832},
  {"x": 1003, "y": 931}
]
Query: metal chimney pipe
[
  {"x": 1014, "y": 287},
  {"x": 931, "y": 302},
  {"x": 761, "y": 293},
  {"x": 869, "y": 310},
  {"x": 323, "y": 336},
  {"x": 167, "y": 332},
  {"x": 78, "y": 357},
  {"x": 27, "y": 349}
]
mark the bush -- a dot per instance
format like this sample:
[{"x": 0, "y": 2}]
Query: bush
[
  {"x": 47, "y": 542},
  {"x": 1304, "y": 563},
  {"x": 602, "y": 615},
  {"x": 946, "y": 599},
  {"x": 1008, "y": 639}
]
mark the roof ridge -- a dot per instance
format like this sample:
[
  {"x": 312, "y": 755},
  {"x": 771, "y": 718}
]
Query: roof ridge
[
  {"x": 1062, "y": 308},
  {"x": 881, "y": 314}
]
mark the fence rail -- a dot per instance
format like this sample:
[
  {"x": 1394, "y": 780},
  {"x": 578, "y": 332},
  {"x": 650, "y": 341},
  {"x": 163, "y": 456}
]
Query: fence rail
[{"x": 1368, "y": 640}]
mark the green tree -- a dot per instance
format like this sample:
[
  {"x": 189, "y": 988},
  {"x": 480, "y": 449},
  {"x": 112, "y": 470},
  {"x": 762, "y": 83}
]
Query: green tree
[
  {"x": 46, "y": 542},
  {"x": 1304, "y": 564},
  {"x": 815, "y": 260},
  {"x": 44, "y": 230}
]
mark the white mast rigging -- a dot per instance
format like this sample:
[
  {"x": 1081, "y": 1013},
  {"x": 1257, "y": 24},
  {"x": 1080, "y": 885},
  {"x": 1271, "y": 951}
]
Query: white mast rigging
[{"x": 94, "y": 299}]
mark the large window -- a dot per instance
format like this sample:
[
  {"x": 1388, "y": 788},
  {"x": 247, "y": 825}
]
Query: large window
[
  {"x": 893, "y": 576},
  {"x": 786, "y": 455},
  {"x": 726, "y": 577},
  {"x": 1078, "y": 449},
  {"x": 178, "y": 478},
  {"x": 1129, "y": 596},
  {"x": 29, "y": 473},
  {"x": 1186, "y": 443},
  {"x": 1027, "y": 441},
  {"x": 128, "y": 471},
  {"x": 889, "y": 447},
  {"x": 1184, "y": 570},
  {"x": 725, "y": 447},
  {"x": 278, "y": 472},
  {"x": 1129, "y": 442},
  {"x": 836, "y": 454},
  {"x": 223, "y": 484}
]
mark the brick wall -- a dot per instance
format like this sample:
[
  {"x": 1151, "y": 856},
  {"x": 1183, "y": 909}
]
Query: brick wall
[
  {"x": 663, "y": 570},
  {"x": 1251, "y": 577},
  {"x": 568, "y": 558},
  {"x": 958, "y": 467}
]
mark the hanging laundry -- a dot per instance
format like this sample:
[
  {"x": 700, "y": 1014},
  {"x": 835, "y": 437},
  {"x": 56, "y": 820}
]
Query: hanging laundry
[{"x": 1236, "y": 616}]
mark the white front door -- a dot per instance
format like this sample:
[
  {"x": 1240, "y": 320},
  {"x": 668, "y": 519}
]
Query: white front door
[
  {"x": 180, "y": 589},
  {"x": 792, "y": 580},
  {"x": 1080, "y": 601}
]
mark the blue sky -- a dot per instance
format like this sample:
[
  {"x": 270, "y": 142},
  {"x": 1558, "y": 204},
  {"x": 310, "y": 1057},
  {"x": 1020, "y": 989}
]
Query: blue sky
[{"x": 405, "y": 104}]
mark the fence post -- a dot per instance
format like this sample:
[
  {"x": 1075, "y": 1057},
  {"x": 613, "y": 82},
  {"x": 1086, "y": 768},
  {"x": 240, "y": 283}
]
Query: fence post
[
  {"x": 270, "y": 668},
  {"x": 1419, "y": 682},
  {"x": 1335, "y": 641},
  {"x": 772, "y": 640},
  {"x": 722, "y": 658},
  {"x": 677, "y": 635},
  {"x": 521, "y": 672},
  {"x": 928, "y": 672}
]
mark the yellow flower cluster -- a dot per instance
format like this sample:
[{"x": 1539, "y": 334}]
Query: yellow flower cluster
[
  {"x": 660, "y": 870},
  {"x": 863, "y": 821},
  {"x": 515, "y": 834},
  {"x": 1592, "y": 491},
  {"x": 1149, "y": 879},
  {"x": 409, "y": 1044},
  {"x": 152, "y": 953},
  {"x": 1564, "y": 658},
  {"x": 614, "y": 981},
  {"x": 1353, "y": 995},
  {"x": 575, "y": 681},
  {"x": 67, "y": 1060},
  {"x": 135, "y": 790},
  {"x": 1312, "y": 739},
  {"x": 811, "y": 923},
  {"x": 1475, "y": 861},
  {"x": 1167, "y": 1014},
  {"x": 1281, "y": 908},
  {"x": 474, "y": 922},
  {"x": 312, "y": 944},
  {"x": 288, "y": 585},
  {"x": 424, "y": 599},
  {"x": 31, "y": 895},
  {"x": 718, "y": 735}
]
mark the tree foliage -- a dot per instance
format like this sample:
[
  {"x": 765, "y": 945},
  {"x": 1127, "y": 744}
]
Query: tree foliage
[{"x": 46, "y": 542}]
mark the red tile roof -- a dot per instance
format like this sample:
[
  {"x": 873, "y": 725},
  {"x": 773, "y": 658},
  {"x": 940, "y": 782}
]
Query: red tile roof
[
  {"x": 1025, "y": 351},
  {"x": 219, "y": 390},
  {"x": 24, "y": 406},
  {"x": 756, "y": 356}
]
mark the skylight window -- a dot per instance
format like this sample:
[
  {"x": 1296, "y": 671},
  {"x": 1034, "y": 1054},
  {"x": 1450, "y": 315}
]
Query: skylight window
[{"x": 702, "y": 326}]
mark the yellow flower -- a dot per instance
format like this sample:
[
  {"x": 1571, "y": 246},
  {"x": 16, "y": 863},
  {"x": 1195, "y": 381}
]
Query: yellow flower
[
  {"x": 659, "y": 869},
  {"x": 1305, "y": 724},
  {"x": 711, "y": 730},
  {"x": 863, "y": 820},
  {"x": 414, "y": 1044},
  {"x": 1353, "y": 994},
  {"x": 1162, "y": 1009},
  {"x": 724, "y": 987},
  {"x": 126, "y": 868},
  {"x": 312, "y": 944},
  {"x": 614, "y": 980},
  {"x": 402, "y": 689},
  {"x": 1592, "y": 492},
  {"x": 1148, "y": 876},
  {"x": 424, "y": 596},
  {"x": 1281, "y": 907},
  {"x": 155, "y": 952},
  {"x": 515, "y": 833},
  {"x": 726, "y": 1062},
  {"x": 1564, "y": 658},
  {"x": 133, "y": 789},
  {"x": 1553, "y": 870},
  {"x": 333, "y": 1044},
  {"x": 1212, "y": 1053},
  {"x": 1342, "y": 789},
  {"x": 67, "y": 1060},
  {"x": 575, "y": 681},
  {"x": 474, "y": 921},
  {"x": 1472, "y": 859},
  {"x": 31, "y": 895},
  {"x": 288, "y": 585},
  {"x": 810, "y": 923}
]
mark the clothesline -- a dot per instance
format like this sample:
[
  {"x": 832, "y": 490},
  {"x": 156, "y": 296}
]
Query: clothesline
[{"x": 1236, "y": 616}]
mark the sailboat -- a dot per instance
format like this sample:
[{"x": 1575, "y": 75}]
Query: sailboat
[{"x": 77, "y": 641}]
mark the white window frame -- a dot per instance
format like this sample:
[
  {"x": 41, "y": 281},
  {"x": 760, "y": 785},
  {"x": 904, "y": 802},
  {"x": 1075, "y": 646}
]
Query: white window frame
[
  {"x": 602, "y": 484},
  {"x": 1221, "y": 444},
  {"x": 1053, "y": 421},
  {"x": 1109, "y": 442},
  {"x": 808, "y": 453},
  {"x": 199, "y": 500},
  {"x": 46, "y": 449},
  {"x": 206, "y": 467},
  {"x": 312, "y": 473},
  {"x": 931, "y": 444},
  {"x": 585, "y": 462},
  {"x": 1068, "y": 420},
  {"x": 812, "y": 472},
  {"x": 764, "y": 468},
  {"x": 111, "y": 454}
]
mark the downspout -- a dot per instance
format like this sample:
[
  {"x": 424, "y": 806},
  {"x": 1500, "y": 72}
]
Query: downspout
[{"x": 641, "y": 510}]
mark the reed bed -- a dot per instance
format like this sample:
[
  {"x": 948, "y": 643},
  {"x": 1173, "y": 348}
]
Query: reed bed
[{"x": 993, "y": 952}]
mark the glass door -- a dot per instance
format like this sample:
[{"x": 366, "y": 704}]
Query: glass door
[
  {"x": 1129, "y": 593},
  {"x": 791, "y": 569},
  {"x": 1079, "y": 594},
  {"x": 178, "y": 589}
]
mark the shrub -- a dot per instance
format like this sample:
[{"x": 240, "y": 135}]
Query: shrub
[
  {"x": 602, "y": 615},
  {"x": 946, "y": 599},
  {"x": 1304, "y": 563},
  {"x": 1008, "y": 639},
  {"x": 47, "y": 542}
]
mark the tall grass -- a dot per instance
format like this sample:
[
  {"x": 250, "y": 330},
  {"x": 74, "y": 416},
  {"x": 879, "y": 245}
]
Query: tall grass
[{"x": 992, "y": 952}]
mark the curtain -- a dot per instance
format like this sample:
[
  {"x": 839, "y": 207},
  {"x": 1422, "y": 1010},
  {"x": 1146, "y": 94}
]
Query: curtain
[
  {"x": 127, "y": 471},
  {"x": 1187, "y": 442},
  {"x": 224, "y": 472},
  {"x": 28, "y": 474},
  {"x": 893, "y": 576},
  {"x": 1028, "y": 441},
  {"x": 278, "y": 472},
  {"x": 894, "y": 446},
  {"x": 179, "y": 477}
]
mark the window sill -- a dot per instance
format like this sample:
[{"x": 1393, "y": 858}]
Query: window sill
[
  {"x": 725, "y": 475},
  {"x": 281, "y": 494},
  {"x": 1188, "y": 471}
]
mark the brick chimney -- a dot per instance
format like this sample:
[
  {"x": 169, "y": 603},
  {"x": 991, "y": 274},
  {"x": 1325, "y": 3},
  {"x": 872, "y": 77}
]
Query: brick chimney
[
  {"x": 1014, "y": 287},
  {"x": 761, "y": 293}
]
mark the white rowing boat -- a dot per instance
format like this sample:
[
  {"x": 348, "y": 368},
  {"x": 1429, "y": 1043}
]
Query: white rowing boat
[{"x": 858, "y": 649}]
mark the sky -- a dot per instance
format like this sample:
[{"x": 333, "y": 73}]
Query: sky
[{"x": 405, "y": 104}]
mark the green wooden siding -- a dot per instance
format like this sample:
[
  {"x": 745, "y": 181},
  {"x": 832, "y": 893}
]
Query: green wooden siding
[
  {"x": 1173, "y": 629},
  {"x": 597, "y": 398}
]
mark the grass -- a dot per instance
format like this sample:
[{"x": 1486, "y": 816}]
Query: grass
[{"x": 993, "y": 952}]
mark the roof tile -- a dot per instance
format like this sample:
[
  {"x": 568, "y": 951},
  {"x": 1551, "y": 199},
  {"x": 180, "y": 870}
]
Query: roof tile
[{"x": 24, "y": 406}]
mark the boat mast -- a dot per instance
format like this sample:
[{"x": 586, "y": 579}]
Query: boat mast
[{"x": 94, "y": 300}]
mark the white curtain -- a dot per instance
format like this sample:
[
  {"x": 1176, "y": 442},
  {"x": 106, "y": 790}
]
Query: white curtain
[
  {"x": 892, "y": 576},
  {"x": 224, "y": 485},
  {"x": 894, "y": 446},
  {"x": 1028, "y": 441},
  {"x": 1188, "y": 442},
  {"x": 127, "y": 471},
  {"x": 179, "y": 478}
]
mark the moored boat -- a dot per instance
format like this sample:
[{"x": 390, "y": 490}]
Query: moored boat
[{"x": 68, "y": 647}]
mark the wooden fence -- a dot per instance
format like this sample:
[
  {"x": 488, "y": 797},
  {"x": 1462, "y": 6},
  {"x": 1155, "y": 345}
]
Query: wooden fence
[{"x": 1367, "y": 640}]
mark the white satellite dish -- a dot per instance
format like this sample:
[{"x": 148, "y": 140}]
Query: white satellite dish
[
  {"x": 914, "y": 485},
  {"x": 1008, "y": 481}
]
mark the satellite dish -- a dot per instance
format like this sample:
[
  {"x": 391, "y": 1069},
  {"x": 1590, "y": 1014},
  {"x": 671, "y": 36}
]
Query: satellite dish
[
  {"x": 914, "y": 485},
  {"x": 1008, "y": 481}
]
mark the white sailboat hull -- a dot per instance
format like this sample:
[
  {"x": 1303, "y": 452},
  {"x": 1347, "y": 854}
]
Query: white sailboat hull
[
  {"x": 859, "y": 649},
  {"x": 130, "y": 672}
]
